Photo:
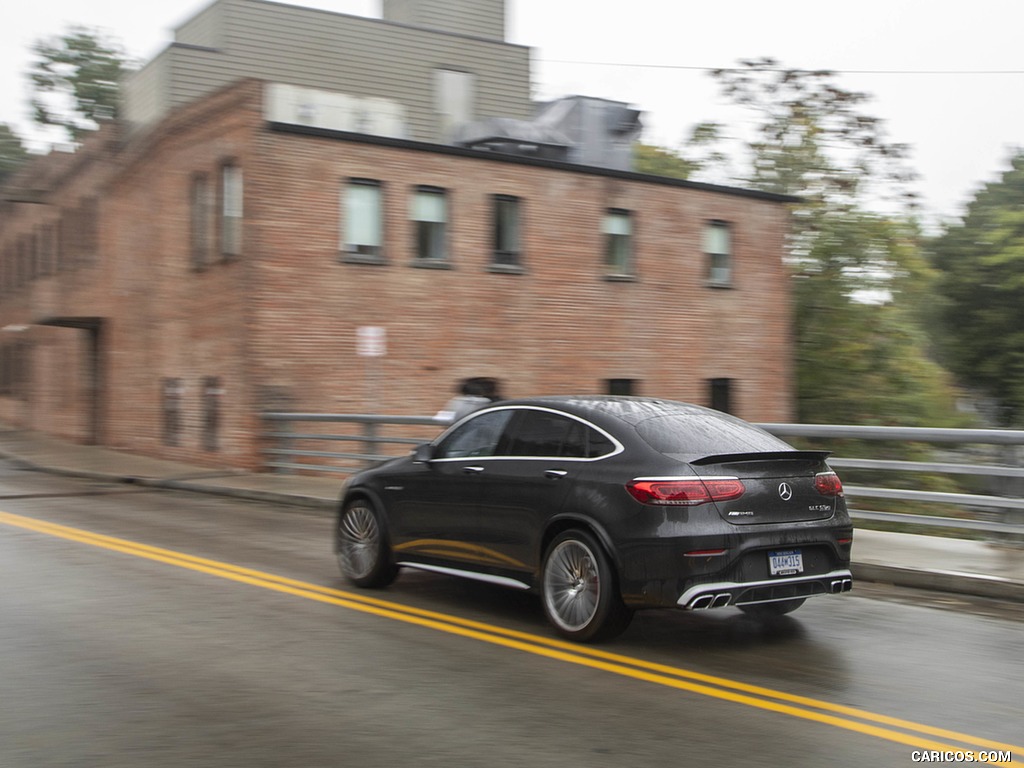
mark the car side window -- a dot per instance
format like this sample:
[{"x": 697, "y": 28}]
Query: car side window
[
  {"x": 598, "y": 444},
  {"x": 539, "y": 433},
  {"x": 476, "y": 437},
  {"x": 535, "y": 433}
]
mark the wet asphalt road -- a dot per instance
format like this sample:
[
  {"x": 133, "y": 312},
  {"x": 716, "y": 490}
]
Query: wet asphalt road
[{"x": 114, "y": 655}]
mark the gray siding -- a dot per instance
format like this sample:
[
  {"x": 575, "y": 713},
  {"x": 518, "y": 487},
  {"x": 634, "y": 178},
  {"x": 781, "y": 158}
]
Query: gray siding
[
  {"x": 349, "y": 54},
  {"x": 204, "y": 29},
  {"x": 480, "y": 18},
  {"x": 145, "y": 92}
]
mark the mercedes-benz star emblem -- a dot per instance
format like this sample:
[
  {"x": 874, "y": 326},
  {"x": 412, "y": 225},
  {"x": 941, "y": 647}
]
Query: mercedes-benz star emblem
[{"x": 785, "y": 491}]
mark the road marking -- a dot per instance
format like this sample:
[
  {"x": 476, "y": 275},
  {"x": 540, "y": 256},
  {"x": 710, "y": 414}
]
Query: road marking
[{"x": 838, "y": 715}]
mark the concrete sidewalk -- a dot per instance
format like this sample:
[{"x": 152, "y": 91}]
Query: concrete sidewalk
[{"x": 968, "y": 567}]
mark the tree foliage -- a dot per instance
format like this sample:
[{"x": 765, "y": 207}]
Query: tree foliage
[
  {"x": 76, "y": 80},
  {"x": 981, "y": 316},
  {"x": 12, "y": 151},
  {"x": 860, "y": 276},
  {"x": 659, "y": 161},
  {"x": 699, "y": 154},
  {"x": 811, "y": 136}
]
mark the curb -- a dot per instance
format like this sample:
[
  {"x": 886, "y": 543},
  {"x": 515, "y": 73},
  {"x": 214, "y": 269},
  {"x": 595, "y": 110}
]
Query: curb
[
  {"x": 956, "y": 582},
  {"x": 288, "y": 499}
]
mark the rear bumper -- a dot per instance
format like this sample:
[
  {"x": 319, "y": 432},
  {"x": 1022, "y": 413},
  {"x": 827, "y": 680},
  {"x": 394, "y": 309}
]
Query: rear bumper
[{"x": 721, "y": 594}]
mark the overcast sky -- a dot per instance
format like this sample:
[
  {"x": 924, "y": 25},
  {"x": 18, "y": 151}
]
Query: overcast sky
[{"x": 948, "y": 78}]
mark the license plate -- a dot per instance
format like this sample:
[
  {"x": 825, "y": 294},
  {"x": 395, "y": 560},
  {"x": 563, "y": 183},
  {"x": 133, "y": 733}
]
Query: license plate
[{"x": 786, "y": 563}]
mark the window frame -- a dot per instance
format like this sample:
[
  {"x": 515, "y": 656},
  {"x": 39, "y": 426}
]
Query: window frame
[
  {"x": 507, "y": 250},
  {"x": 47, "y": 249},
  {"x": 231, "y": 211},
  {"x": 622, "y": 387},
  {"x": 212, "y": 394},
  {"x": 172, "y": 400},
  {"x": 721, "y": 392},
  {"x": 619, "y": 245},
  {"x": 718, "y": 275},
  {"x": 199, "y": 221},
  {"x": 454, "y": 99},
  {"x": 356, "y": 252},
  {"x": 427, "y": 239}
]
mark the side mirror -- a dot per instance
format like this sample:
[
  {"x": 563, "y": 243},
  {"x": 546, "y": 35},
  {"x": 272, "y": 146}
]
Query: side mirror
[{"x": 423, "y": 453}]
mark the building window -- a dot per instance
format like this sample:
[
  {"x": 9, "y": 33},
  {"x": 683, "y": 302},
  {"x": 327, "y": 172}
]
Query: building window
[
  {"x": 87, "y": 218},
  {"x": 231, "y": 211},
  {"x": 199, "y": 218},
  {"x": 507, "y": 243},
  {"x": 48, "y": 249},
  {"x": 212, "y": 394},
  {"x": 363, "y": 214},
  {"x": 720, "y": 391},
  {"x": 618, "y": 249},
  {"x": 15, "y": 369},
  {"x": 171, "y": 394},
  {"x": 6, "y": 370},
  {"x": 66, "y": 245},
  {"x": 718, "y": 249},
  {"x": 24, "y": 262},
  {"x": 35, "y": 255},
  {"x": 430, "y": 215},
  {"x": 6, "y": 279},
  {"x": 626, "y": 387},
  {"x": 453, "y": 100}
]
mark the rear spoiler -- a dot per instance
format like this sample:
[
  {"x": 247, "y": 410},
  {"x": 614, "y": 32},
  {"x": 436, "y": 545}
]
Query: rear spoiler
[{"x": 733, "y": 458}]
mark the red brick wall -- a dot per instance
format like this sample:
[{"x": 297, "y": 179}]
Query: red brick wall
[
  {"x": 560, "y": 327},
  {"x": 280, "y": 320}
]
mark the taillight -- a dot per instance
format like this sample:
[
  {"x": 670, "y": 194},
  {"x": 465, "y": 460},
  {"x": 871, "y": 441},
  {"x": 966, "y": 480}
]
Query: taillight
[
  {"x": 685, "y": 492},
  {"x": 828, "y": 484}
]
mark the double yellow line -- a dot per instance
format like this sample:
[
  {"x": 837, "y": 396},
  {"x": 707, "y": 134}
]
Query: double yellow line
[{"x": 916, "y": 735}]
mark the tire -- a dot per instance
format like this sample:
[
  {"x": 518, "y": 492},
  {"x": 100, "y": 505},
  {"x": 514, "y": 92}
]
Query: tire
[
  {"x": 579, "y": 590},
  {"x": 363, "y": 553},
  {"x": 769, "y": 610}
]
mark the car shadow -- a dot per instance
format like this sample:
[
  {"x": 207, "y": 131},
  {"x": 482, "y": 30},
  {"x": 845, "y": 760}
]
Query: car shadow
[
  {"x": 721, "y": 628},
  {"x": 772, "y": 651}
]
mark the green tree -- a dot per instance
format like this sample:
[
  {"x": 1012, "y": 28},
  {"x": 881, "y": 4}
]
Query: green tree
[
  {"x": 980, "y": 261},
  {"x": 659, "y": 161},
  {"x": 12, "y": 152},
  {"x": 76, "y": 80},
  {"x": 860, "y": 276},
  {"x": 698, "y": 154}
]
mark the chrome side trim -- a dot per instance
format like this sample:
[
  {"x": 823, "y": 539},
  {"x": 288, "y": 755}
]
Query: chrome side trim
[
  {"x": 503, "y": 581},
  {"x": 697, "y": 593},
  {"x": 670, "y": 478}
]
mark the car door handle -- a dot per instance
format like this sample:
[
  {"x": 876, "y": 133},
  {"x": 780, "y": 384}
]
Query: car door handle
[
  {"x": 554, "y": 474},
  {"x": 472, "y": 470}
]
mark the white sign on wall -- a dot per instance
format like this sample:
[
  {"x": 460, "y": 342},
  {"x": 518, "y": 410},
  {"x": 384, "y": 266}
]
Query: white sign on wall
[{"x": 371, "y": 341}]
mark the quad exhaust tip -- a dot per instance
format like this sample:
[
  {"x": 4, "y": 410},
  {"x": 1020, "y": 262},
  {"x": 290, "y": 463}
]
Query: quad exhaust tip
[
  {"x": 711, "y": 601},
  {"x": 841, "y": 585}
]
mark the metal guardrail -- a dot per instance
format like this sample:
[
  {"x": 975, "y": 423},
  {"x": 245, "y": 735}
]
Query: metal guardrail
[
  {"x": 291, "y": 450},
  {"x": 1004, "y": 514},
  {"x": 287, "y": 453}
]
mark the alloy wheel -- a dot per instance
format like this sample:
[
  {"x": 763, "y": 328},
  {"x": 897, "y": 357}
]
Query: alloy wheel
[
  {"x": 358, "y": 542},
  {"x": 572, "y": 585}
]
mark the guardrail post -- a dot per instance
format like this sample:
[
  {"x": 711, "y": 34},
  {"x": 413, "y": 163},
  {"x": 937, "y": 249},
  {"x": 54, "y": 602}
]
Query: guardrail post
[
  {"x": 285, "y": 444},
  {"x": 1012, "y": 487},
  {"x": 370, "y": 438}
]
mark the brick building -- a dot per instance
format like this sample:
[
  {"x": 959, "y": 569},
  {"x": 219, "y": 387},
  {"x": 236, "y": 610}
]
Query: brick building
[{"x": 164, "y": 285}]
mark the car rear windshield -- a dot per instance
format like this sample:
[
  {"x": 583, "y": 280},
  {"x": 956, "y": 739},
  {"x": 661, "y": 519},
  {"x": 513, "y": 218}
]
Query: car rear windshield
[{"x": 689, "y": 435}]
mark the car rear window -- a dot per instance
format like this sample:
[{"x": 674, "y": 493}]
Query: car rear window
[{"x": 705, "y": 435}]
